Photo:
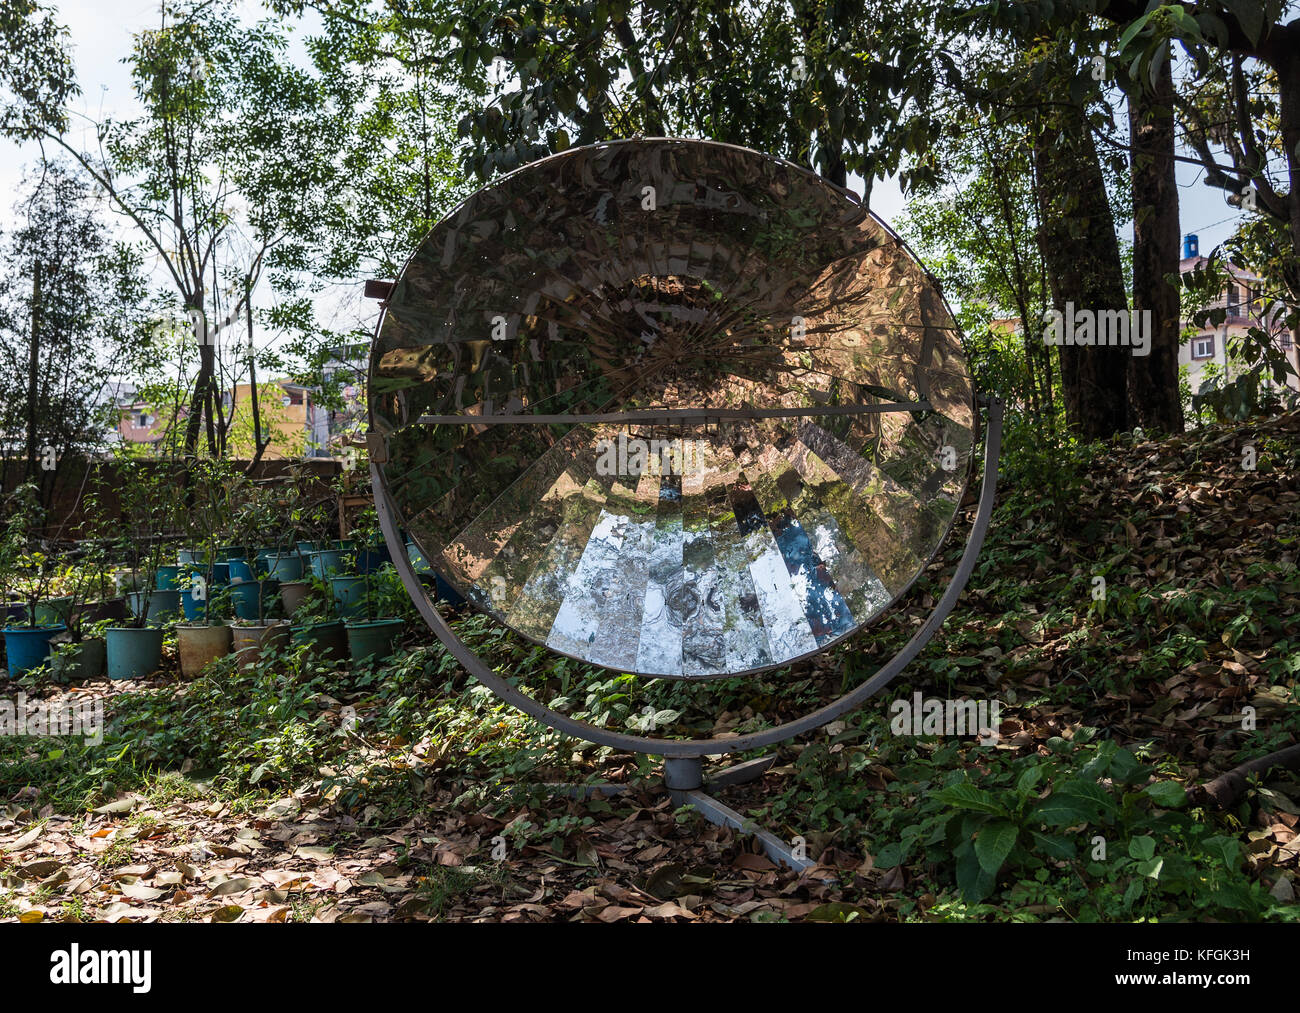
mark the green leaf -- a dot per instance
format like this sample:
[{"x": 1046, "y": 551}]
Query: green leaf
[
  {"x": 1157, "y": 63},
  {"x": 1130, "y": 33},
  {"x": 1151, "y": 868},
  {"x": 1169, "y": 794},
  {"x": 1250, "y": 15},
  {"x": 1123, "y": 765},
  {"x": 890, "y": 855},
  {"x": 1226, "y": 849},
  {"x": 1058, "y": 810},
  {"x": 1093, "y": 793},
  {"x": 1142, "y": 848},
  {"x": 992, "y": 845},
  {"x": 1052, "y": 845},
  {"x": 1028, "y": 781},
  {"x": 974, "y": 882},
  {"x": 966, "y": 796}
]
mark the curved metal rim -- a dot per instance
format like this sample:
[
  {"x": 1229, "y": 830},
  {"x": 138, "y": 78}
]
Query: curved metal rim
[
  {"x": 703, "y": 747},
  {"x": 871, "y": 621}
]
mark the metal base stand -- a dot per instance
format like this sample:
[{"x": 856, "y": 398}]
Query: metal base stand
[{"x": 686, "y": 784}]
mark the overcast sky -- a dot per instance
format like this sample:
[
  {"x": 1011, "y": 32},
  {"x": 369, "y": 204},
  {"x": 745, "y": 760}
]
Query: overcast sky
[{"x": 101, "y": 35}]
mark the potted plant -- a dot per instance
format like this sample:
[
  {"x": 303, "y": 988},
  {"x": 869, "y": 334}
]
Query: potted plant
[
  {"x": 147, "y": 493},
  {"x": 248, "y": 520},
  {"x": 372, "y": 550},
  {"x": 350, "y": 585},
  {"x": 250, "y": 638},
  {"x": 206, "y": 596},
  {"x": 25, "y": 571},
  {"x": 207, "y": 636},
  {"x": 315, "y": 625},
  {"x": 373, "y": 634},
  {"x": 85, "y": 655},
  {"x": 285, "y": 520},
  {"x": 255, "y": 627},
  {"x": 83, "y": 658}
]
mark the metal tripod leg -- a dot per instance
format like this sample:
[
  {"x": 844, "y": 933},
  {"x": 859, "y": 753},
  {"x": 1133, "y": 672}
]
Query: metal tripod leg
[{"x": 684, "y": 779}]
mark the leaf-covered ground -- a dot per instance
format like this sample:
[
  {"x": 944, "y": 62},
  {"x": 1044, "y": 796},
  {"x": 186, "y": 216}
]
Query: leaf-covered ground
[{"x": 291, "y": 792}]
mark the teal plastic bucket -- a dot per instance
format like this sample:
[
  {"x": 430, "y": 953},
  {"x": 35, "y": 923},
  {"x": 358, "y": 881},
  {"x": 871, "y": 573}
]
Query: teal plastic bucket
[
  {"x": 134, "y": 653},
  {"x": 75, "y": 662},
  {"x": 284, "y": 566},
  {"x": 326, "y": 562},
  {"x": 164, "y": 606},
  {"x": 240, "y": 568},
  {"x": 327, "y": 641},
  {"x": 167, "y": 577},
  {"x": 190, "y": 557},
  {"x": 27, "y": 647},
  {"x": 349, "y": 596},
  {"x": 243, "y": 596},
  {"x": 373, "y": 640},
  {"x": 53, "y": 612}
]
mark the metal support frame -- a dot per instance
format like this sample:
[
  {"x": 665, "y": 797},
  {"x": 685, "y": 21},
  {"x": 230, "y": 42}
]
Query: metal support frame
[{"x": 683, "y": 774}]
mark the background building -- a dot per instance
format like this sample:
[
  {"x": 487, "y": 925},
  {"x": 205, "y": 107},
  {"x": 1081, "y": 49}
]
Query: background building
[{"x": 1246, "y": 308}]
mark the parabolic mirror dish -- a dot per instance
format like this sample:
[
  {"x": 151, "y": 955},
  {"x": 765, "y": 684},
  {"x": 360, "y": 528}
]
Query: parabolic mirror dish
[{"x": 659, "y": 281}]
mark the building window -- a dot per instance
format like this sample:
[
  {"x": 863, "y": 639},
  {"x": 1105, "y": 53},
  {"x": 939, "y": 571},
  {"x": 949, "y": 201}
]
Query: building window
[
  {"x": 1284, "y": 339},
  {"x": 1203, "y": 348},
  {"x": 1232, "y": 300}
]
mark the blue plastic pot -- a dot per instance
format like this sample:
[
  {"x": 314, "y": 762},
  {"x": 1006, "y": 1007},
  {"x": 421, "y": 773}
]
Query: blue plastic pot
[
  {"x": 244, "y": 597},
  {"x": 163, "y": 605},
  {"x": 27, "y": 647},
  {"x": 167, "y": 577},
  {"x": 349, "y": 595},
  {"x": 196, "y": 609},
  {"x": 284, "y": 566},
  {"x": 134, "y": 653},
  {"x": 220, "y": 573},
  {"x": 326, "y": 562},
  {"x": 261, "y": 562},
  {"x": 190, "y": 557},
  {"x": 240, "y": 568},
  {"x": 418, "y": 562},
  {"x": 306, "y": 547},
  {"x": 372, "y": 557},
  {"x": 373, "y": 640},
  {"x": 445, "y": 591},
  {"x": 228, "y": 552}
]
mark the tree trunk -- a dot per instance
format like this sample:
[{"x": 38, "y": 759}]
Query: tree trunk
[
  {"x": 1076, "y": 237},
  {"x": 1153, "y": 378},
  {"x": 33, "y": 372},
  {"x": 198, "y": 398},
  {"x": 1288, "y": 79}
]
